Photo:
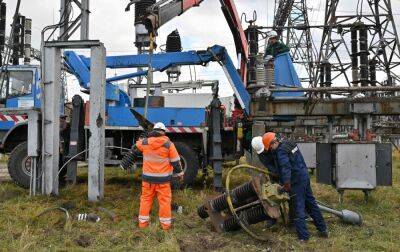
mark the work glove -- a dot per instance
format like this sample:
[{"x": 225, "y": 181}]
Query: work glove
[
  {"x": 179, "y": 175},
  {"x": 268, "y": 58},
  {"x": 285, "y": 188}
]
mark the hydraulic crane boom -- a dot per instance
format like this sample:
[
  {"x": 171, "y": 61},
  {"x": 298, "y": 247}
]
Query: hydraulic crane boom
[
  {"x": 165, "y": 10},
  {"x": 80, "y": 66}
]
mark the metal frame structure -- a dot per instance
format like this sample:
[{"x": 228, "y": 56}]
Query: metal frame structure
[
  {"x": 299, "y": 39},
  {"x": 383, "y": 45},
  {"x": 50, "y": 111},
  {"x": 69, "y": 26}
]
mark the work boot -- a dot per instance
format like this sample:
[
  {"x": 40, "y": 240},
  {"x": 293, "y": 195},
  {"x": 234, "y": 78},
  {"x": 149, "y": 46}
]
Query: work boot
[{"x": 323, "y": 234}]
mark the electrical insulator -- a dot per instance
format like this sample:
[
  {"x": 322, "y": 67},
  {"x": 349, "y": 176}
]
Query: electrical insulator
[
  {"x": 18, "y": 39},
  {"x": 174, "y": 43},
  {"x": 3, "y": 12},
  {"x": 27, "y": 41}
]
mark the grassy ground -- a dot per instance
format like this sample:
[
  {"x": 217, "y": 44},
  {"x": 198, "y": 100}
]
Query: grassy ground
[{"x": 20, "y": 229}]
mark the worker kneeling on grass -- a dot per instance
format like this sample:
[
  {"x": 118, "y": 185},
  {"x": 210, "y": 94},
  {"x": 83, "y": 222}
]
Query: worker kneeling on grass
[
  {"x": 160, "y": 161},
  {"x": 289, "y": 164}
]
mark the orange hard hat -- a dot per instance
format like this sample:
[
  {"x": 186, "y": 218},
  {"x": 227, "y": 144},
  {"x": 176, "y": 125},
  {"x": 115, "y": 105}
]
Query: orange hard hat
[{"x": 267, "y": 139}]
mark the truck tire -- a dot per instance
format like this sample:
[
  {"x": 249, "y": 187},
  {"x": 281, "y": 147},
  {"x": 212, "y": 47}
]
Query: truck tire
[
  {"x": 190, "y": 162},
  {"x": 18, "y": 165}
]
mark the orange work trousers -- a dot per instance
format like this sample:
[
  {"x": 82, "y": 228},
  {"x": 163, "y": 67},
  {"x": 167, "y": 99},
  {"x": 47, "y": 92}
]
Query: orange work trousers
[{"x": 164, "y": 196}]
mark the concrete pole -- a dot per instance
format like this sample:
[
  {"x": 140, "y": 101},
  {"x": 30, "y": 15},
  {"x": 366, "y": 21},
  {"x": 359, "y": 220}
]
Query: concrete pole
[
  {"x": 51, "y": 90},
  {"x": 33, "y": 149},
  {"x": 96, "y": 122},
  {"x": 85, "y": 20}
]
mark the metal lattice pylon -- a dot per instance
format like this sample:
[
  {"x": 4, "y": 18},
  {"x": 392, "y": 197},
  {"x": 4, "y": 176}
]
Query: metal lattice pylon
[
  {"x": 297, "y": 35},
  {"x": 383, "y": 43}
]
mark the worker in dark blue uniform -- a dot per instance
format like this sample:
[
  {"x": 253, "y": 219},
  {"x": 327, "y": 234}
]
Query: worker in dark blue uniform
[{"x": 293, "y": 176}]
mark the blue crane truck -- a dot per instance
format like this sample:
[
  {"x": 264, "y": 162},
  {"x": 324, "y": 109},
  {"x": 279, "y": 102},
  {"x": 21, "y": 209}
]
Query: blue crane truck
[{"x": 189, "y": 128}]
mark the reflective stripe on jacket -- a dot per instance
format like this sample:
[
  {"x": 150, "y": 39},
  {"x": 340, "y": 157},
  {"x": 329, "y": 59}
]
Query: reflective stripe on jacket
[{"x": 160, "y": 159}]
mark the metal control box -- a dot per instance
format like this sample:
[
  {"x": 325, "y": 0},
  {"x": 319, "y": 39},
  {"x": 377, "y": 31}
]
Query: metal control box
[
  {"x": 360, "y": 166},
  {"x": 309, "y": 152},
  {"x": 355, "y": 166}
]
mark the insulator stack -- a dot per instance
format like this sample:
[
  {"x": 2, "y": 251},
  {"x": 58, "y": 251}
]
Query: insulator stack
[
  {"x": 372, "y": 71},
  {"x": 28, "y": 41},
  {"x": 219, "y": 203},
  {"x": 251, "y": 216},
  {"x": 128, "y": 161},
  {"x": 270, "y": 74},
  {"x": 201, "y": 211},
  {"x": 322, "y": 74},
  {"x": 174, "y": 43},
  {"x": 326, "y": 74},
  {"x": 252, "y": 35},
  {"x": 18, "y": 39},
  {"x": 3, "y": 12},
  {"x": 363, "y": 32},
  {"x": 260, "y": 70},
  {"x": 354, "y": 55},
  {"x": 241, "y": 195},
  {"x": 140, "y": 9}
]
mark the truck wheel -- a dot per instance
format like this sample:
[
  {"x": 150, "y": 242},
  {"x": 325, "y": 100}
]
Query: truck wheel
[
  {"x": 19, "y": 165},
  {"x": 190, "y": 162}
]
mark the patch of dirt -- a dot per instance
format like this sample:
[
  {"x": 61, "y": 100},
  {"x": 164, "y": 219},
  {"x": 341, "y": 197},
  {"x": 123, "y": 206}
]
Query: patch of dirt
[
  {"x": 83, "y": 241},
  {"x": 202, "y": 243}
]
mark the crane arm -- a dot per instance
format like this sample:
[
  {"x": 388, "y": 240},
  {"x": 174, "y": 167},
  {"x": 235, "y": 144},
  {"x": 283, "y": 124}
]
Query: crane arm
[
  {"x": 80, "y": 65},
  {"x": 163, "y": 11},
  {"x": 233, "y": 19}
]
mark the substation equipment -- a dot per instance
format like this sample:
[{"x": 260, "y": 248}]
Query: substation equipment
[
  {"x": 269, "y": 96},
  {"x": 256, "y": 201}
]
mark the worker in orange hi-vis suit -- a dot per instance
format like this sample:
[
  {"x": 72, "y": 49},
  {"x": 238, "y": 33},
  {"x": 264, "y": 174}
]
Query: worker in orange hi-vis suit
[{"x": 160, "y": 161}]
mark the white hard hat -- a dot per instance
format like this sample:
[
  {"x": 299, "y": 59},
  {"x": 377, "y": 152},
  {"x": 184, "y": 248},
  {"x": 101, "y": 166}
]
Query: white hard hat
[
  {"x": 257, "y": 144},
  {"x": 273, "y": 34},
  {"x": 159, "y": 126}
]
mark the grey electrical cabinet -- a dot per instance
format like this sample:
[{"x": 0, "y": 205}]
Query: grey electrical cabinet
[
  {"x": 360, "y": 166},
  {"x": 309, "y": 152}
]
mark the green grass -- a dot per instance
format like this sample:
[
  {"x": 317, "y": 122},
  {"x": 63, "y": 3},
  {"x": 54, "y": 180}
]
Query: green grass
[{"x": 21, "y": 230}]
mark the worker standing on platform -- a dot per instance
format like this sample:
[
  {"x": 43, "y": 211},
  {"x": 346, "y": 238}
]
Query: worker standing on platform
[
  {"x": 160, "y": 161},
  {"x": 275, "y": 46},
  {"x": 293, "y": 176}
]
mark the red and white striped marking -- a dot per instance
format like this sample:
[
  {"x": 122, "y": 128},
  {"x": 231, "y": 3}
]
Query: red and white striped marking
[
  {"x": 191, "y": 129},
  {"x": 13, "y": 118},
  {"x": 184, "y": 130}
]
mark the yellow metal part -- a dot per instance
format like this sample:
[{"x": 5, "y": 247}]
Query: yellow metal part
[
  {"x": 271, "y": 194},
  {"x": 229, "y": 198},
  {"x": 240, "y": 131}
]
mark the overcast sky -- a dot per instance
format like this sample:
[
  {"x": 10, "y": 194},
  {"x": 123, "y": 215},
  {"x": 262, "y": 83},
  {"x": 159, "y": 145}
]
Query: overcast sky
[{"x": 200, "y": 27}]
